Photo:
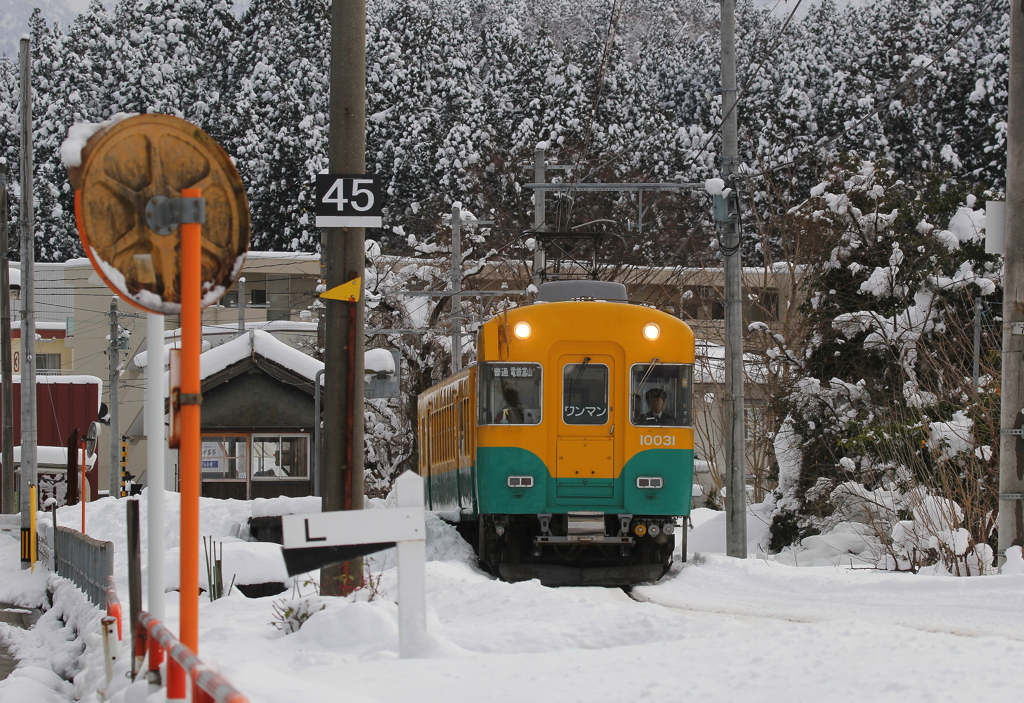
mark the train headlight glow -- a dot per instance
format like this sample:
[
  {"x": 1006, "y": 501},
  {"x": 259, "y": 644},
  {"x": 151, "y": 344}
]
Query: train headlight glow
[
  {"x": 522, "y": 330},
  {"x": 651, "y": 331}
]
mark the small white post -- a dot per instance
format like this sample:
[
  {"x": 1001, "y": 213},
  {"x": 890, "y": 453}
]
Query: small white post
[
  {"x": 412, "y": 574},
  {"x": 111, "y": 646}
]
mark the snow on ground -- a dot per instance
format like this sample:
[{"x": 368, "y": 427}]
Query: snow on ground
[{"x": 714, "y": 629}]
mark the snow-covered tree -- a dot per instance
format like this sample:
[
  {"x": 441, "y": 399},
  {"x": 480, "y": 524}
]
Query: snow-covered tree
[{"x": 885, "y": 368}]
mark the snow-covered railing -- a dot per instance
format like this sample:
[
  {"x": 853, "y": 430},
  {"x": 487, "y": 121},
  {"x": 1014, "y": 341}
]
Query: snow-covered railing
[
  {"x": 86, "y": 561},
  {"x": 207, "y": 685}
]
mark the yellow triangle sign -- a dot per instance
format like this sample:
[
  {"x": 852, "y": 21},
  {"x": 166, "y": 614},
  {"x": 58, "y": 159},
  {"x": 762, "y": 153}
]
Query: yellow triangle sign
[{"x": 349, "y": 292}]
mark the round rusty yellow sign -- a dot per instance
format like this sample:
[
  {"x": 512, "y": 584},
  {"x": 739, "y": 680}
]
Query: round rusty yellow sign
[{"x": 143, "y": 160}]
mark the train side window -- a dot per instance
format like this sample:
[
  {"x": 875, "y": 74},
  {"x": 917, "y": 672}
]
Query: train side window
[
  {"x": 661, "y": 395},
  {"x": 585, "y": 394},
  {"x": 510, "y": 393}
]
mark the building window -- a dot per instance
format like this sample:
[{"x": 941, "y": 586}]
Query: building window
[
  {"x": 224, "y": 457},
  {"x": 230, "y": 299},
  {"x": 280, "y": 456},
  {"x": 48, "y": 362},
  {"x": 258, "y": 297}
]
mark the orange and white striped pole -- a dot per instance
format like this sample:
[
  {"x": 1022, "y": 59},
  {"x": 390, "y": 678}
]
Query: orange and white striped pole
[{"x": 189, "y": 449}]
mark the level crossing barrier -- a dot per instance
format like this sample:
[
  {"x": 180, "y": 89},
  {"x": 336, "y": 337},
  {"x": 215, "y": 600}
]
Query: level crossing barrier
[{"x": 207, "y": 685}]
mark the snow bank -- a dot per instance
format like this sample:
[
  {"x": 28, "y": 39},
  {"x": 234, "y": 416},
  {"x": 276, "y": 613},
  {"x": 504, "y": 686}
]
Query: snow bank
[{"x": 283, "y": 505}]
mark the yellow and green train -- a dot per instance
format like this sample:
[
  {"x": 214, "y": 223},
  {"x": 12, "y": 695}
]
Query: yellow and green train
[{"x": 566, "y": 451}]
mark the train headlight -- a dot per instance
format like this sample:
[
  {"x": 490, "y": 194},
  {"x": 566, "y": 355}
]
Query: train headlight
[
  {"x": 522, "y": 330},
  {"x": 651, "y": 331}
]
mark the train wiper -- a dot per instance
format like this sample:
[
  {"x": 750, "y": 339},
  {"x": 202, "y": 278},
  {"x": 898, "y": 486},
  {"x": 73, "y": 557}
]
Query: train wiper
[
  {"x": 572, "y": 384},
  {"x": 647, "y": 373}
]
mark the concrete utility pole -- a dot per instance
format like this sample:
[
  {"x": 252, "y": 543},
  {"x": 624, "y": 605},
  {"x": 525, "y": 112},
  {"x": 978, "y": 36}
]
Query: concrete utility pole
[
  {"x": 343, "y": 259},
  {"x": 114, "y": 376},
  {"x": 539, "y": 176},
  {"x": 736, "y": 491},
  {"x": 28, "y": 312},
  {"x": 1011, "y": 419},
  {"x": 456, "y": 288},
  {"x": 7, "y": 506}
]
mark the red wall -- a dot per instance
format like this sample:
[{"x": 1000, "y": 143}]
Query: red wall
[{"x": 60, "y": 408}]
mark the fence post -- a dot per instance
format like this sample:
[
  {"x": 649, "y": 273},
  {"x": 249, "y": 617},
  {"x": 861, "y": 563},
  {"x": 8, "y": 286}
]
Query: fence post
[
  {"x": 412, "y": 578},
  {"x": 134, "y": 571}
]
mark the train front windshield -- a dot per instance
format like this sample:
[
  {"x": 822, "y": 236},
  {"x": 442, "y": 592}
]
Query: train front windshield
[
  {"x": 510, "y": 394},
  {"x": 661, "y": 395}
]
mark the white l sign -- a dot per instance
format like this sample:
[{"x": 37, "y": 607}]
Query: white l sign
[{"x": 346, "y": 527}]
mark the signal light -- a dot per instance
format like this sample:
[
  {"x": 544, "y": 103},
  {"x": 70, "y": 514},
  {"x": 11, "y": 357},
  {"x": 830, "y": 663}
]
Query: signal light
[
  {"x": 651, "y": 331},
  {"x": 522, "y": 330},
  {"x": 640, "y": 530}
]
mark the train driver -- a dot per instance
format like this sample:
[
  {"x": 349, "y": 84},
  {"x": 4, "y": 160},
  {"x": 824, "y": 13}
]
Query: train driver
[
  {"x": 513, "y": 413},
  {"x": 656, "y": 414}
]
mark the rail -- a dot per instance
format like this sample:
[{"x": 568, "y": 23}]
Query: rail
[
  {"x": 207, "y": 685},
  {"x": 86, "y": 561}
]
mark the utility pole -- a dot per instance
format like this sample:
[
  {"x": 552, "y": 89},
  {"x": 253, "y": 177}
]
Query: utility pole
[
  {"x": 28, "y": 324},
  {"x": 113, "y": 362},
  {"x": 6, "y": 352},
  {"x": 241, "y": 305},
  {"x": 28, "y": 313},
  {"x": 1011, "y": 419},
  {"x": 343, "y": 257},
  {"x": 736, "y": 491},
  {"x": 539, "y": 176},
  {"x": 456, "y": 288}
]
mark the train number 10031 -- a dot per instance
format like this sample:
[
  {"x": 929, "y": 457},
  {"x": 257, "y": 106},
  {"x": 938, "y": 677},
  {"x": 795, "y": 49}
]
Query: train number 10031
[{"x": 657, "y": 440}]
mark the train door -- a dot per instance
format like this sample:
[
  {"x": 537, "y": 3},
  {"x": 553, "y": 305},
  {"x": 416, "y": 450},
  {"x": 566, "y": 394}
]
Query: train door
[{"x": 585, "y": 444}]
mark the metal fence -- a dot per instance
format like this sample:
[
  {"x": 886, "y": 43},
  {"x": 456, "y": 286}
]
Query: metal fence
[{"x": 86, "y": 561}]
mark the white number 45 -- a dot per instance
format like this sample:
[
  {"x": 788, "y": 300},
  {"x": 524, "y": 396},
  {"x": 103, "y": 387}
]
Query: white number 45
[{"x": 336, "y": 194}]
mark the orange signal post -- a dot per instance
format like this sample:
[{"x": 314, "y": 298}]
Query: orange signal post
[
  {"x": 81, "y": 485},
  {"x": 189, "y": 450}
]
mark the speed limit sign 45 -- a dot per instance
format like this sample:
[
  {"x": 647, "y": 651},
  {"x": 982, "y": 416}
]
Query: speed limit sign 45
[{"x": 344, "y": 200}]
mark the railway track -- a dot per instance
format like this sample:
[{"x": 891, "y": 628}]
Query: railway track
[{"x": 810, "y": 619}]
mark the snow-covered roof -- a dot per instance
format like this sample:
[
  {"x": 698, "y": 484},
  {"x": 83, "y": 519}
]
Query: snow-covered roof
[
  {"x": 283, "y": 255},
  {"x": 56, "y": 378},
  {"x": 264, "y": 344},
  {"x": 53, "y": 456}
]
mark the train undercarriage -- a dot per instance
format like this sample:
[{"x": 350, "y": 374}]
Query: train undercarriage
[{"x": 577, "y": 548}]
